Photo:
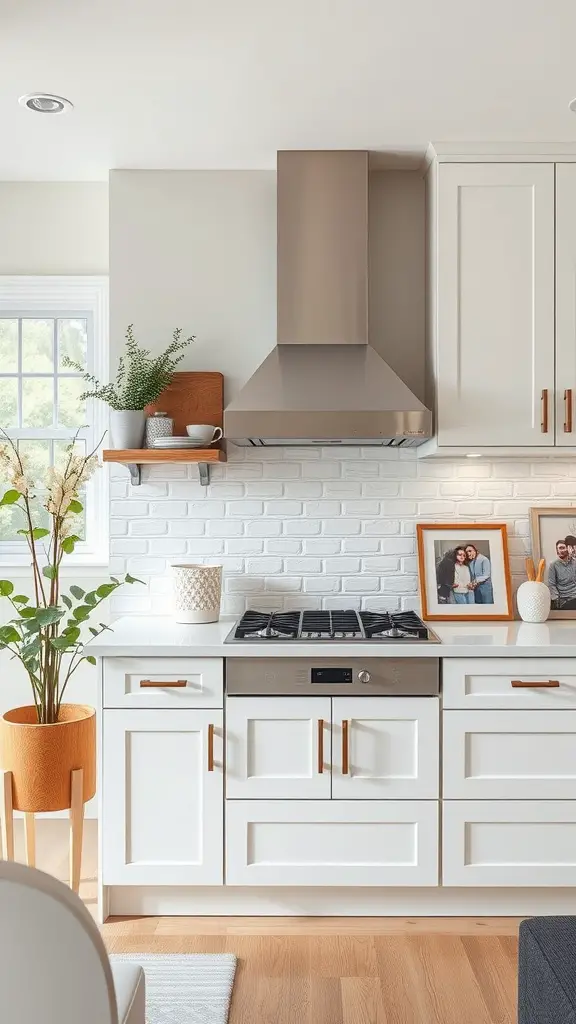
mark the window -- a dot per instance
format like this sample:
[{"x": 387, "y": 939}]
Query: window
[{"x": 42, "y": 320}]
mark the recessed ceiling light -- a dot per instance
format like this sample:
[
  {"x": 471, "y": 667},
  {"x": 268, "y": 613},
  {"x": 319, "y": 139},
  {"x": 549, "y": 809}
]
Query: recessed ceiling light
[
  {"x": 572, "y": 105},
  {"x": 45, "y": 103},
  {"x": 473, "y": 455}
]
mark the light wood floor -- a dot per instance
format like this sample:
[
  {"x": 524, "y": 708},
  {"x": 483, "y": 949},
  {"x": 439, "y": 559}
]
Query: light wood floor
[{"x": 348, "y": 970}]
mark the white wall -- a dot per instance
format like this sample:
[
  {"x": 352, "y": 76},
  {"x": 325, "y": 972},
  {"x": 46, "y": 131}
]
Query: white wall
[
  {"x": 50, "y": 228},
  {"x": 53, "y": 227}
]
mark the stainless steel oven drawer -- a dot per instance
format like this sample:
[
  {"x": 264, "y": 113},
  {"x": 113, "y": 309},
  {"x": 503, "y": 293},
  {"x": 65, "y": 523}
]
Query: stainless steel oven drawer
[{"x": 334, "y": 676}]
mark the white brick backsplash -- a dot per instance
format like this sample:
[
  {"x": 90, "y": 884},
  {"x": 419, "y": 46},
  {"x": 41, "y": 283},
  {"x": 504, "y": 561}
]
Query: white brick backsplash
[
  {"x": 341, "y": 564},
  {"x": 283, "y": 547},
  {"x": 320, "y": 470},
  {"x": 264, "y": 489},
  {"x": 361, "y": 584},
  {"x": 283, "y": 508},
  {"x": 304, "y": 489},
  {"x": 280, "y": 470},
  {"x": 315, "y": 528},
  {"x": 244, "y": 547},
  {"x": 321, "y": 546},
  {"x": 266, "y": 566},
  {"x": 302, "y": 566},
  {"x": 263, "y": 528},
  {"x": 323, "y": 585}
]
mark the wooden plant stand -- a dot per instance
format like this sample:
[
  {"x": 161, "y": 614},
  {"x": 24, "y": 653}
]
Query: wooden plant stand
[{"x": 76, "y": 825}]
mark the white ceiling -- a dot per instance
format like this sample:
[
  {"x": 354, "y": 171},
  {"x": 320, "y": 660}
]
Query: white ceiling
[{"x": 225, "y": 83}]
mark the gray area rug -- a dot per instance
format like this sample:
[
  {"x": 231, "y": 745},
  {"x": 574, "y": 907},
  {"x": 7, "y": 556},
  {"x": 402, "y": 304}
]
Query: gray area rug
[{"x": 193, "y": 988}]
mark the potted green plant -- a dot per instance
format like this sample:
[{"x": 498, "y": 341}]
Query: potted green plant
[
  {"x": 41, "y": 743},
  {"x": 140, "y": 380}
]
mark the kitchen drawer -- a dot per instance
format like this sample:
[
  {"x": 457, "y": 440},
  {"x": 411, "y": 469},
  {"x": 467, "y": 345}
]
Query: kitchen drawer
[
  {"x": 509, "y": 755},
  {"x": 509, "y": 842},
  {"x": 163, "y": 682},
  {"x": 487, "y": 683},
  {"x": 316, "y": 842}
]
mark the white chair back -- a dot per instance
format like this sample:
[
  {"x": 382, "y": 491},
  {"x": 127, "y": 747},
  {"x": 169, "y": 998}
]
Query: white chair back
[{"x": 53, "y": 963}]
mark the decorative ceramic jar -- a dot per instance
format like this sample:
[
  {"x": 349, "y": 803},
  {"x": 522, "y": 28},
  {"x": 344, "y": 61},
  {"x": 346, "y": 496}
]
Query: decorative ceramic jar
[
  {"x": 197, "y": 591},
  {"x": 127, "y": 428},
  {"x": 533, "y": 600},
  {"x": 159, "y": 424},
  {"x": 42, "y": 757}
]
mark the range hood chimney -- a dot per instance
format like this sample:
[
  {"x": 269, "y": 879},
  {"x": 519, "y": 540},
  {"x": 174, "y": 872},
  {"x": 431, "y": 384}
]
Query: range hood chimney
[{"x": 323, "y": 383}]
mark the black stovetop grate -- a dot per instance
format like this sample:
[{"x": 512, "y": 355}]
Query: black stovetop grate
[{"x": 340, "y": 624}]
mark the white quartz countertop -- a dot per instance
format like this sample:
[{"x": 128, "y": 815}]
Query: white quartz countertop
[{"x": 160, "y": 636}]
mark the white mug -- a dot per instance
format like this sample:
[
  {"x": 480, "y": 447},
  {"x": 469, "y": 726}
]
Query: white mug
[{"x": 203, "y": 433}]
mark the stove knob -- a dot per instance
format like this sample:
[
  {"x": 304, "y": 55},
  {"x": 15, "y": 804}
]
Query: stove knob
[{"x": 363, "y": 676}]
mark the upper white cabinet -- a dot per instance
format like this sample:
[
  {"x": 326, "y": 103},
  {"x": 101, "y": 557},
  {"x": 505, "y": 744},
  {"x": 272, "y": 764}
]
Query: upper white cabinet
[
  {"x": 502, "y": 304},
  {"x": 495, "y": 295}
]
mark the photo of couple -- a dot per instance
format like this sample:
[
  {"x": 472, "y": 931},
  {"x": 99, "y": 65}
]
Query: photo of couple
[
  {"x": 562, "y": 574},
  {"x": 464, "y": 573}
]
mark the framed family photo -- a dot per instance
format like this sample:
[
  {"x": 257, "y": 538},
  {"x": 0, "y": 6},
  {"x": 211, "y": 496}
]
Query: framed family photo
[
  {"x": 553, "y": 535},
  {"x": 464, "y": 571}
]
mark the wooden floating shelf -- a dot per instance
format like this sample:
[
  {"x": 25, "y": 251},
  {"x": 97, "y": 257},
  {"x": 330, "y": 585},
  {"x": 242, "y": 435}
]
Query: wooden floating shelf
[
  {"x": 190, "y": 398},
  {"x": 134, "y": 458}
]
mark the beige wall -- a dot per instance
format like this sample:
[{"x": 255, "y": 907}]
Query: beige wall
[
  {"x": 53, "y": 227},
  {"x": 197, "y": 249}
]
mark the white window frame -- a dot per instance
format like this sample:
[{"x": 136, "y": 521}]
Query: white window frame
[{"x": 64, "y": 296}]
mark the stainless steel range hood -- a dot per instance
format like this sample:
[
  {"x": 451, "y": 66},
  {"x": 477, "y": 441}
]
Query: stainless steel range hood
[{"x": 323, "y": 384}]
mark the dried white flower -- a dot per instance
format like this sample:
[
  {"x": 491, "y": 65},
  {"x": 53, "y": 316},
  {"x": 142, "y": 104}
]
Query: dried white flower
[{"x": 15, "y": 466}]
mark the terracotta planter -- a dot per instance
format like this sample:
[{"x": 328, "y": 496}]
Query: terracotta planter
[{"x": 41, "y": 757}]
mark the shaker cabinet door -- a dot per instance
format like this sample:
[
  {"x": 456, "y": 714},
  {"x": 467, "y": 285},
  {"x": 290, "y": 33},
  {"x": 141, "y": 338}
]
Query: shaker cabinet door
[
  {"x": 385, "y": 748},
  {"x": 162, "y": 797},
  {"x": 278, "y": 748},
  {"x": 495, "y": 304}
]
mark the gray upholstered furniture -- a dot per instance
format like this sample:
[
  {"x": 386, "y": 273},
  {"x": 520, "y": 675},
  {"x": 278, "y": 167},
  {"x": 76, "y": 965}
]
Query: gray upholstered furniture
[{"x": 547, "y": 971}]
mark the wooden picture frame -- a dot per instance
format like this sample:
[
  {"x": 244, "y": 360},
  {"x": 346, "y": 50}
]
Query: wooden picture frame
[
  {"x": 549, "y": 526},
  {"x": 462, "y": 594}
]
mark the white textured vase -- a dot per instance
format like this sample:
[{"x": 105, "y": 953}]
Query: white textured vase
[
  {"x": 127, "y": 428},
  {"x": 533, "y": 600},
  {"x": 197, "y": 590}
]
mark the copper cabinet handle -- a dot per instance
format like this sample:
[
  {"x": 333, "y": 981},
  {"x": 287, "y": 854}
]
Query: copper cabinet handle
[
  {"x": 144, "y": 683},
  {"x": 320, "y": 746},
  {"x": 547, "y": 684},
  {"x": 345, "y": 765},
  {"x": 568, "y": 411},
  {"x": 210, "y": 748},
  {"x": 544, "y": 411}
]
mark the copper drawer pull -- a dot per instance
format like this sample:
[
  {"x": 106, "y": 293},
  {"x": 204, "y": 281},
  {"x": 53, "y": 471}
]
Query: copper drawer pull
[
  {"x": 544, "y": 411},
  {"x": 568, "y": 411},
  {"x": 320, "y": 746},
  {"x": 548, "y": 684},
  {"x": 147, "y": 683},
  {"x": 345, "y": 766},
  {"x": 210, "y": 748}
]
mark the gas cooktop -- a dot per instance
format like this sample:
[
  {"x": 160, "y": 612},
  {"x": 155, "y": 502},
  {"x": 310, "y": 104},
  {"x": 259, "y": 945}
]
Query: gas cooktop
[{"x": 347, "y": 625}]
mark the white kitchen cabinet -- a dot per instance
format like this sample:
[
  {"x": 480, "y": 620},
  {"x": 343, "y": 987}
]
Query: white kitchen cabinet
[
  {"x": 509, "y": 755},
  {"x": 509, "y": 842},
  {"x": 385, "y": 748},
  {"x": 327, "y": 843},
  {"x": 162, "y": 797},
  {"x": 492, "y": 247},
  {"x": 163, "y": 682},
  {"x": 565, "y": 304},
  {"x": 509, "y": 683},
  {"x": 278, "y": 748}
]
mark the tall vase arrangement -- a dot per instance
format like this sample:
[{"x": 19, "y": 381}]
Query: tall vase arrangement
[
  {"x": 44, "y": 744},
  {"x": 140, "y": 380}
]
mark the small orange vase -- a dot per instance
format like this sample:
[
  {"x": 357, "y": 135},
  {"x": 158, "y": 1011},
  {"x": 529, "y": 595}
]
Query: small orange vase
[{"x": 42, "y": 757}]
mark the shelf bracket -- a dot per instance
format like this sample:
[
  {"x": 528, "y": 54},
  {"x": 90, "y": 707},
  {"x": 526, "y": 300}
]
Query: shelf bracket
[
  {"x": 135, "y": 470},
  {"x": 204, "y": 473}
]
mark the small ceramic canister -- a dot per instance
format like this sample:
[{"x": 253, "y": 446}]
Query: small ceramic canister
[
  {"x": 160, "y": 424},
  {"x": 197, "y": 592},
  {"x": 533, "y": 600}
]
